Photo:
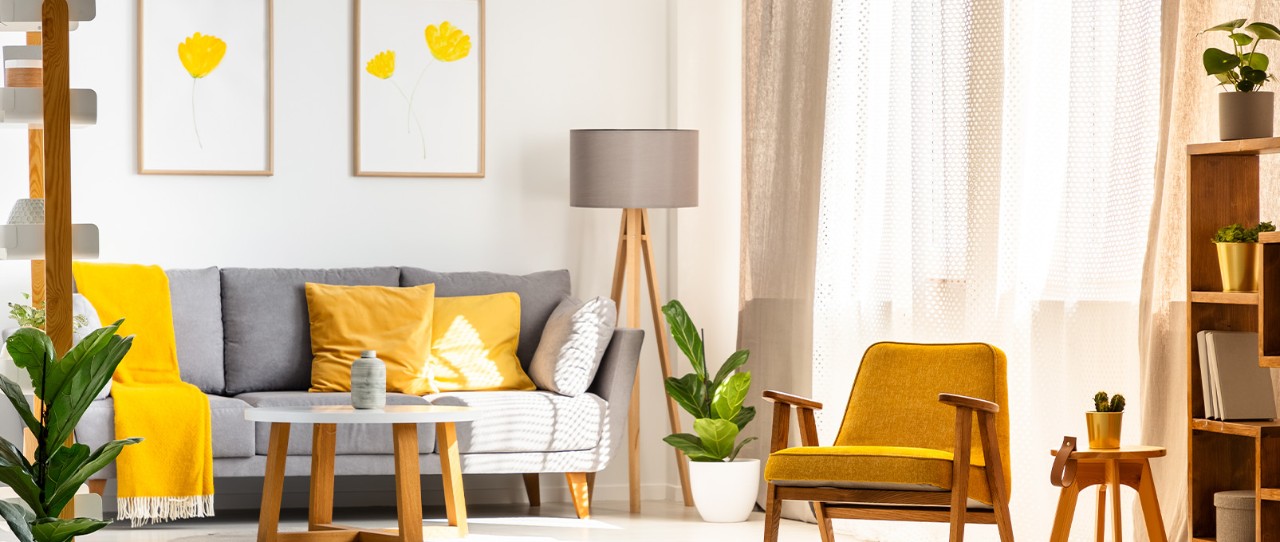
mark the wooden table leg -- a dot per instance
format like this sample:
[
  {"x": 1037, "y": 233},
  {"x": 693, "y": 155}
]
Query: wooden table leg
[
  {"x": 1150, "y": 505},
  {"x": 455, "y": 503},
  {"x": 1102, "y": 513},
  {"x": 408, "y": 484},
  {"x": 320, "y": 509},
  {"x": 1113, "y": 480},
  {"x": 273, "y": 483},
  {"x": 1066, "y": 512}
]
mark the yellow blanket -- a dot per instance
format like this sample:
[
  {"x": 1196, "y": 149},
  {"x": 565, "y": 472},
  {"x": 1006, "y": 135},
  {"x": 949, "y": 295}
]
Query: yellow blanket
[{"x": 170, "y": 475}]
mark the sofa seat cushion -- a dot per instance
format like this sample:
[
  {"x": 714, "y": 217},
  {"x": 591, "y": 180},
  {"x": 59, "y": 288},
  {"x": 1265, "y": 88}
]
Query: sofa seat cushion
[
  {"x": 528, "y": 421},
  {"x": 878, "y": 467},
  {"x": 353, "y": 439},
  {"x": 233, "y": 436}
]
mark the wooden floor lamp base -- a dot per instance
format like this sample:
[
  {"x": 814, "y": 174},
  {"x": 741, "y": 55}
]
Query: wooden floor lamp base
[{"x": 635, "y": 243}]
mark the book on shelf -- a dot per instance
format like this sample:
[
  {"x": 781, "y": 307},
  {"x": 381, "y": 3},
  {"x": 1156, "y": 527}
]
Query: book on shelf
[{"x": 1237, "y": 387}]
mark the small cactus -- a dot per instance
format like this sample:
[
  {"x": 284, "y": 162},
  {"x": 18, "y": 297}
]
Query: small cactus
[{"x": 1103, "y": 403}]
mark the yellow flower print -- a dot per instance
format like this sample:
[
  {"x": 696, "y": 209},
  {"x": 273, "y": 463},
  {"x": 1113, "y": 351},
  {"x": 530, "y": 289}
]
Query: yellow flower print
[
  {"x": 383, "y": 65},
  {"x": 447, "y": 42},
  {"x": 201, "y": 54}
]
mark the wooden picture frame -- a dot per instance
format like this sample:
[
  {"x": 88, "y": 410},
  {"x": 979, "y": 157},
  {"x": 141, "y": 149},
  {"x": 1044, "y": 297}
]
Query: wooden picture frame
[
  {"x": 240, "y": 147},
  {"x": 462, "y": 157}
]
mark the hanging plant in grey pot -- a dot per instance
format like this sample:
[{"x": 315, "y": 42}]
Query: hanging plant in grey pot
[{"x": 1244, "y": 109}]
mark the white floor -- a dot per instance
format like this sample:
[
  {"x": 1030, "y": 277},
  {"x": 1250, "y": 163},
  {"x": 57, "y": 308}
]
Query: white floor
[{"x": 660, "y": 522}]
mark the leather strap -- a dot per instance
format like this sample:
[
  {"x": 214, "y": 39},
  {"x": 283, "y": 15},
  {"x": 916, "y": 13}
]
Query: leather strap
[{"x": 1064, "y": 466}]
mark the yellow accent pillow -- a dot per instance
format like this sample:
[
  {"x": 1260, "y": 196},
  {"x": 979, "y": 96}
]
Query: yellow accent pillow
[
  {"x": 473, "y": 345},
  {"x": 394, "y": 321}
]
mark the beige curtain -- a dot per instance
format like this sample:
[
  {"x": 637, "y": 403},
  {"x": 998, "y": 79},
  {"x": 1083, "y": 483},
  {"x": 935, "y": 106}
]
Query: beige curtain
[
  {"x": 1188, "y": 115},
  {"x": 785, "y": 45}
]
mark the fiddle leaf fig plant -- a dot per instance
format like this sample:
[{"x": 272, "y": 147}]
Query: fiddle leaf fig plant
[
  {"x": 715, "y": 402},
  {"x": 1242, "y": 68},
  {"x": 65, "y": 387}
]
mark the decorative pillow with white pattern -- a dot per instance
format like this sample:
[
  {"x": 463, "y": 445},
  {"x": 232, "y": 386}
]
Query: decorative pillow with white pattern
[{"x": 572, "y": 345}]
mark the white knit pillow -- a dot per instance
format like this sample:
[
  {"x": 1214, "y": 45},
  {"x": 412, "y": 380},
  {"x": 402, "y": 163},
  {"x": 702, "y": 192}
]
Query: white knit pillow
[{"x": 572, "y": 345}]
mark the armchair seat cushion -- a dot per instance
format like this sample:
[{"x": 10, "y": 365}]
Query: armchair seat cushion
[
  {"x": 872, "y": 467},
  {"x": 528, "y": 421}
]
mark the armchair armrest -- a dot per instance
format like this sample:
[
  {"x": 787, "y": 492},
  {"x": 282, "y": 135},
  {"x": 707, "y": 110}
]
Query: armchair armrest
[
  {"x": 773, "y": 396},
  {"x": 961, "y": 401}
]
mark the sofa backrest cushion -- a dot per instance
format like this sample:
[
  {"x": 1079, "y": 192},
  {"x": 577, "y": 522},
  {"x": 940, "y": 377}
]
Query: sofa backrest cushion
[
  {"x": 266, "y": 328},
  {"x": 540, "y": 293},
  {"x": 197, "y": 326}
]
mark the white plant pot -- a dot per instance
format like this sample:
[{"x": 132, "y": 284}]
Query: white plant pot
[{"x": 725, "y": 492}]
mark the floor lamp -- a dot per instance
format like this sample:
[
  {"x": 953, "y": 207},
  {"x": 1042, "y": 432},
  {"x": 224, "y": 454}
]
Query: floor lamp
[{"x": 637, "y": 170}]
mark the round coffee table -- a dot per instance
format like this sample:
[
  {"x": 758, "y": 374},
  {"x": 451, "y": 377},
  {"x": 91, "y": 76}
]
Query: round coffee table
[{"x": 404, "y": 420}]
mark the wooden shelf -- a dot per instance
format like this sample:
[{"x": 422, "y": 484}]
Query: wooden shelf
[
  {"x": 1225, "y": 298},
  {"x": 1268, "y": 237},
  {"x": 1253, "y": 429},
  {"x": 1270, "y": 362},
  {"x": 1269, "y": 494},
  {"x": 1265, "y": 145},
  {"x": 1202, "y": 539}
]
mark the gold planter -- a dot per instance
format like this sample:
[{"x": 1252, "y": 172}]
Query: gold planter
[
  {"x": 1104, "y": 429},
  {"x": 1238, "y": 263}
]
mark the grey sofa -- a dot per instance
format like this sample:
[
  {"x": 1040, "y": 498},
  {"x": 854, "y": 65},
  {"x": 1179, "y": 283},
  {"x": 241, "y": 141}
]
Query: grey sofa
[{"x": 243, "y": 338}]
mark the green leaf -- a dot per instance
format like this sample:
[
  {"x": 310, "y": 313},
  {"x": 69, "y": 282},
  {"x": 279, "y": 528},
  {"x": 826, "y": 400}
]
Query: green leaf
[
  {"x": 32, "y": 351},
  {"x": 1242, "y": 39},
  {"x": 21, "y": 482},
  {"x": 738, "y": 359},
  {"x": 737, "y": 449},
  {"x": 730, "y": 395},
  {"x": 1227, "y": 26},
  {"x": 685, "y": 391},
  {"x": 19, "y": 520},
  {"x": 717, "y": 436},
  {"x": 84, "y": 371},
  {"x": 1253, "y": 76},
  {"x": 66, "y": 490},
  {"x": 61, "y": 530},
  {"x": 19, "y": 402},
  {"x": 1217, "y": 61},
  {"x": 744, "y": 417},
  {"x": 1264, "y": 31},
  {"x": 1257, "y": 61},
  {"x": 690, "y": 445},
  {"x": 686, "y": 336},
  {"x": 63, "y": 462}
]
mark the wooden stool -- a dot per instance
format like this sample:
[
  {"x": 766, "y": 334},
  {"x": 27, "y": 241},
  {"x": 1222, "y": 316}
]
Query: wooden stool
[{"x": 1126, "y": 465}]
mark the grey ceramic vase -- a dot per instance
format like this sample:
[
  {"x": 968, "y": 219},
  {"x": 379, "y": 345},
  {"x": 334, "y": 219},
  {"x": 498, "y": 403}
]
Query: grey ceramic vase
[
  {"x": 1245, "y": 115},
  {"x": 368, "y": 381}
]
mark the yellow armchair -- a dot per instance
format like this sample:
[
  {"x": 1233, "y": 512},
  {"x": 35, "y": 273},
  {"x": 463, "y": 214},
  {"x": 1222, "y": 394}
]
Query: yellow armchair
[{"x": 901, "y": 453}]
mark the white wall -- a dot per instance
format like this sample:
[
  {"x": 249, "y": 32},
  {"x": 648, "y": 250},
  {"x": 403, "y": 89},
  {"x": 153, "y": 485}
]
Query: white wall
[{"x": 553, "y": 65}]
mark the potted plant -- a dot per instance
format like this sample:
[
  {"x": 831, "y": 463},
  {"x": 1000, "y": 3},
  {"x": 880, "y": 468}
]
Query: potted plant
[
  {"x": 1244, "y": 111},
  {"x": 723, "y": 485},
  {"x": 1104, "y": 421},
  {"x": 65, "y": 388},
  {"x": 1238, "y": 256}
]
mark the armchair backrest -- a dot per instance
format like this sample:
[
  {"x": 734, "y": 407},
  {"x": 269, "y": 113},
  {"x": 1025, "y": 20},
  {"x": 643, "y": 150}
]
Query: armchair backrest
[{"x": 895, "y": 396}]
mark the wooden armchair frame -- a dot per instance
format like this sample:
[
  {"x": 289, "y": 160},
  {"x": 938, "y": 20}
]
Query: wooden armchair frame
[{"x": 898, "y": 505}]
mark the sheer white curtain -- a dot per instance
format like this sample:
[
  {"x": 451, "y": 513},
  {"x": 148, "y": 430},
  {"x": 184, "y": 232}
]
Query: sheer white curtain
[{"x": 987, "y": 176}]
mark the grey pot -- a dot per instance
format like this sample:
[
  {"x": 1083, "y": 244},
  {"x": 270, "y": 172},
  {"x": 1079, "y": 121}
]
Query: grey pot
[
  {"x": 1245, "y": 115},
  {"x": 368, "y": 381}
]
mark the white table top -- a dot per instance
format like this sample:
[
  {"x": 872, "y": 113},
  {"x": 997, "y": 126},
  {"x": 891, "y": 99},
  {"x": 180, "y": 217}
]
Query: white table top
[{"x": 337, "y": 414}]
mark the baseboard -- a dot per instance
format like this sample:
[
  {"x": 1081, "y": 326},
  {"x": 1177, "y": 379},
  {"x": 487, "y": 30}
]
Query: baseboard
[{"x": 378, "y": 491}]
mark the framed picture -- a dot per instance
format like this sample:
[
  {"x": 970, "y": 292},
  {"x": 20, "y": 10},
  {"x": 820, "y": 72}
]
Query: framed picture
[
  {"x": 419, "y": 88},
  {"x": 205, "y": 95}
]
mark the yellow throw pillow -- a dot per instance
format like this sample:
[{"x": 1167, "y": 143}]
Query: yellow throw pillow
[
  {"x": 473, "y": 345},
  {"x": 348, "y": 319}
]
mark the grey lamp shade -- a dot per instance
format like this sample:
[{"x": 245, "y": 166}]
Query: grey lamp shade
[{"x": 633, "y": 169}]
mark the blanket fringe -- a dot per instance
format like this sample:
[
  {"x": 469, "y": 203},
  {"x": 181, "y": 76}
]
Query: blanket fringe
[{"x": 142, "y": 511}]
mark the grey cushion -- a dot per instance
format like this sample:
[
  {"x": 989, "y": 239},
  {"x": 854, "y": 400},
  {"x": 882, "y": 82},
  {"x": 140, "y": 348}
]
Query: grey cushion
[
  {"x": 572, "y": 344},
  {"x": 527, "y": 421},
  {"x": 266, "y": 330},
  {"x": 539, "y": 294},
  {"x": 352, "y": 438},
  {"x": 232, "y": 435},
  {"x": 196, "y": 295}
]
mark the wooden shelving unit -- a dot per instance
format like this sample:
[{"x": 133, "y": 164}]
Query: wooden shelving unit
[{"x": 1223, "y": 184}]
